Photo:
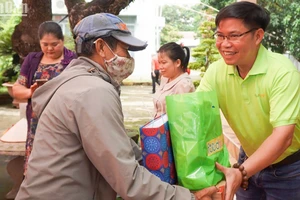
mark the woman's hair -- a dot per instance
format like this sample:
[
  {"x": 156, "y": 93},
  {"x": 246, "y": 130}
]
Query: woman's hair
[
  {"x": 253, "y": 15},
  {"x": 50, "y": 27},
  {"x": 87, "y": 47},
  {"x": 175, "y": 51}
]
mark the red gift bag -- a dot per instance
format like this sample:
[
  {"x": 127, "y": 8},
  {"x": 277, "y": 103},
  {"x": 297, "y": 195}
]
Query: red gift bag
[{"x": 156, "y": 149}]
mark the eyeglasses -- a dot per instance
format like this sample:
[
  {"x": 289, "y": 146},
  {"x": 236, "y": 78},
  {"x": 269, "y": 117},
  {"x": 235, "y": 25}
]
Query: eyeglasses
[{"x": 232, "y": 37}]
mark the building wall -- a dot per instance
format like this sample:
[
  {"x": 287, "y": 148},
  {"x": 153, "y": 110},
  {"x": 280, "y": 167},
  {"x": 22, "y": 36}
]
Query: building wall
[{"x": 145, "y": 29}]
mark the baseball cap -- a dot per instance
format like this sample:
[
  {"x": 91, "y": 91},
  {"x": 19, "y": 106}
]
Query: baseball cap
[{"x": 104, "y": 25}]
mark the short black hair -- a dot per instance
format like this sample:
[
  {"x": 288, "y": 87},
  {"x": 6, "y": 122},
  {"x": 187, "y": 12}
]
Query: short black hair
[{"x": 253, "y": 15}]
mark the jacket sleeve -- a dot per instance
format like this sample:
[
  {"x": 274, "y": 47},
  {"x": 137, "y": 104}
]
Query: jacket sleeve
[
  {"x": 137, "y": 151},
  {"x": 104, "y": 139}
]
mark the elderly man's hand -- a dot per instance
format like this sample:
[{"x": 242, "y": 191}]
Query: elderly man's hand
[{"x": 206, "y": 193}]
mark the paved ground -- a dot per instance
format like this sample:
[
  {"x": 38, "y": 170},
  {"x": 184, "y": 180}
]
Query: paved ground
[
  {"x": 8, "y": 116},
  {"x": 137, "y": 108}
]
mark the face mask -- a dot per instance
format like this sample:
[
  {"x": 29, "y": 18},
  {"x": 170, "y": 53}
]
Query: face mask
[{"x": 118, "y": 67}]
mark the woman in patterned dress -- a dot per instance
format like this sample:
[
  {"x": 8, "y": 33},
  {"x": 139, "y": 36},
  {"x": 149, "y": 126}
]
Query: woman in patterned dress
[{"x": 46, "y": 64}]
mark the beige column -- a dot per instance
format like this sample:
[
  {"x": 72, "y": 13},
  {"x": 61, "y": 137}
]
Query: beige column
[{"x": 253, "y": 1}]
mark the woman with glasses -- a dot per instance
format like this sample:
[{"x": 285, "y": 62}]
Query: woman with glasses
[{"x": 259, "y": 95}]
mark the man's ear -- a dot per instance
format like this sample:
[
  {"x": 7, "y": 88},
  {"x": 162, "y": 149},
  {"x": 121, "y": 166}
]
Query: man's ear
[
  {"x": 99, "y": 47},
  {"x": 259, "y": 36}
]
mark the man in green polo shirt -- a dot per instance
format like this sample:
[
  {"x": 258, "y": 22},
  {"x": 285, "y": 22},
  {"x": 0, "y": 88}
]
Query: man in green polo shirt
[{"x": 259, "y": 94}]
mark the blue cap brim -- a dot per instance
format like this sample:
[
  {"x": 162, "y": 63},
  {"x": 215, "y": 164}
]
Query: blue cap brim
[{"x": 133, "y": 43}]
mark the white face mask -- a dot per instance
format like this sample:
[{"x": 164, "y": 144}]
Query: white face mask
[{"x": 118, "y": 67}]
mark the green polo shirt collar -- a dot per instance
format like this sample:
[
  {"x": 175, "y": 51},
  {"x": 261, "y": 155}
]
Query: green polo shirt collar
[{"x": 258, "y": 67}]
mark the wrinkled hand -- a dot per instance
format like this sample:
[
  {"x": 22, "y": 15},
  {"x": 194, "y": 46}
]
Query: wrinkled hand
[
  {"x": 205, "y": 194},
  {"x": 233, "y": 180}
]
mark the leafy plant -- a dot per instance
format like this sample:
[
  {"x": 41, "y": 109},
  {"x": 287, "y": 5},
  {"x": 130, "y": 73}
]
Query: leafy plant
[
  {"x": 282, "y": 35},
  {"x": 179, "y": 18},
  {"x": 218, "y": 4},
  {"x": 183, "y": 18},
  {"x": 169, "y": 34},
  {"x": 9, "y": 60},
  {"x": 196, "y": 83},
  {"x": 206, "y": 52},
  {"x": 69, "y": 42}
]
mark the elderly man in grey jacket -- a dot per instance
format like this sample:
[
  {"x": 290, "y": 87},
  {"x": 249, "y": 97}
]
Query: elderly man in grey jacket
[{"x": 81, "y": 151}]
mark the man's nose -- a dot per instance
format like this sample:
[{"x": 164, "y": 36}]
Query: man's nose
[{"x": 226, "y": 42}]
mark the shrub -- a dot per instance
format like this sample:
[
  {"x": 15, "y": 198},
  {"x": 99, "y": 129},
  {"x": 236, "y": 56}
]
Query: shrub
[{"x": 9, "y": 60}]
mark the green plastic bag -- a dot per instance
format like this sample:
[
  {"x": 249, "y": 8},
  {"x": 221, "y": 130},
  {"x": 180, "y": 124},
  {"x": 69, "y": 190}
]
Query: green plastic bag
[{"x": 197, "y": 139}]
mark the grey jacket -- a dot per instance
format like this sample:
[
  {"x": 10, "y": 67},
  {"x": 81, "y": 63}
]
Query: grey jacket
[{"x": 81, "y": 150}]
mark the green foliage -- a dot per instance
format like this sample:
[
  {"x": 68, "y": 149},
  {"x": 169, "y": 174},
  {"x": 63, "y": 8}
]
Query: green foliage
[
  {"x": 283, "y": 32},
  {"x": 179, "y": 18},
  {"x": 8, "y": 67},
  {"x": 69, "y": 42},
  {"x": 169, "y": 34},
  {"x": 183, "y": 18},
  {"x": 3, "y": 90},
  {"x": 196, "y": 83},
  {"x": 206, "y": 52},
  {"x": 218, "y": 4}
]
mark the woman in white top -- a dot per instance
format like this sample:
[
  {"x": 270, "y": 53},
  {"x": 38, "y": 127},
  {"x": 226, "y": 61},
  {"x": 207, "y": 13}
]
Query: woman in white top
[{"x": 173, "y": 61}]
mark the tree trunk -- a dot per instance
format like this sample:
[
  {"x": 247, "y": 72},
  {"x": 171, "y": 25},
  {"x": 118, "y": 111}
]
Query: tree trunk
[
  {"x": 78, "y": 9},
  {"x": 25, "y": 38}
]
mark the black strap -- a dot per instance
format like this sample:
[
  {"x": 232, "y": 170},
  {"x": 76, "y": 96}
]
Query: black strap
[{"x": 288, "y": 160}]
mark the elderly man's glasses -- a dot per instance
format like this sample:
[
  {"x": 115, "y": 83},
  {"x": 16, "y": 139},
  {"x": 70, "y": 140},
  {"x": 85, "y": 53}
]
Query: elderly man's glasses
[{"x": 232, "y": 37}]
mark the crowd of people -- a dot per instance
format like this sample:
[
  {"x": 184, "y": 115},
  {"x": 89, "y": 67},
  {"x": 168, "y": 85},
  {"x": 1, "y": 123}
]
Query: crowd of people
[{"x": 77, "y": 146}]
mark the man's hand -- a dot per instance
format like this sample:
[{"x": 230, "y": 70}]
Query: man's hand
[
  {"x": 206, "y": 193},
  {"x": 233, "y": 180}
]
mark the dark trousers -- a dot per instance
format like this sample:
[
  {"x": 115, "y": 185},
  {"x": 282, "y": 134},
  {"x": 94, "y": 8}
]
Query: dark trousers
[
  {"x": 280, "y": 183},
  {"x": 155, "y": 79}
]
